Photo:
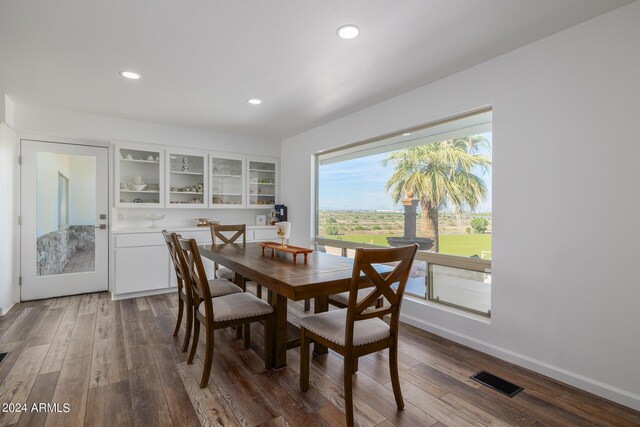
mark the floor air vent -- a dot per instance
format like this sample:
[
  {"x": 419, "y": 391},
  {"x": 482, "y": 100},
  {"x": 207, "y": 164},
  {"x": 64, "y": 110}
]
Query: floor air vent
[
  {"x": 497, "y": 383},
  {"x": 2, "y": 356}
]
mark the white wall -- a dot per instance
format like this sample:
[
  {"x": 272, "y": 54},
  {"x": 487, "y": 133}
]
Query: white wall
[
  {"x": 82, "y": 190},
  {"x": 49, "y": 166},
  {"x": 42, "y": 121},
  {"x": 565, "y": 200},
  {"x": 9, "y": 231},
  {"x": 6, "y": 109},
  {"x": 51, "y": 124}
]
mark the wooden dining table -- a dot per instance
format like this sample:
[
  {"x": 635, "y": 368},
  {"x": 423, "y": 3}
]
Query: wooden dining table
[{"x": 322, "y": 275}]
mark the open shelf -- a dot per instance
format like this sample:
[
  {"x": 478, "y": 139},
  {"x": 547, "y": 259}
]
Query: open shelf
[
  {"x": 184, "y": 192},
  {"x": 187, "y": 173}
]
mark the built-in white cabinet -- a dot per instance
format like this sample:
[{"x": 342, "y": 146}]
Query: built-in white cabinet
[
  {"x": 148, "y": 176},
  {"x": 139, "y": 176},
  {"x": 187, "y": 182},
  {"x": 142, "y": 265},
  {"x": 227, "y": 181},
  {"x": 262, "y": 182}
]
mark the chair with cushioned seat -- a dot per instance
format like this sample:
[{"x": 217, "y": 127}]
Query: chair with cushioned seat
[
  {"x": 236, "y": 309},
  {"x": 341, "y": 300},
  {"x": 217, "y": 236},
  {"x": 359, "y": 330},
  {"x": 217, "y": 287}
]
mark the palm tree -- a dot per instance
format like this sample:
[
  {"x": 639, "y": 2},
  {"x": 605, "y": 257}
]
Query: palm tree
[{"x": 440, "y": 175}]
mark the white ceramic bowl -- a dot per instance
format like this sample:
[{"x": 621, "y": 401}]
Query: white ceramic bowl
[
  {"x": 138, "y": 180},
  {"x": 137, "y": 187}
]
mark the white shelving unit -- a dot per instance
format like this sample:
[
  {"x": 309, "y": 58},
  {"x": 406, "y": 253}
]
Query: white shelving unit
[
  {"x": 262, "y": 182},
  {"x": 227, "y": 181},
  {"x": 139, "y": 175},
  {"x": 154, "y": 176},
  {"x": 187, "y": 183}
]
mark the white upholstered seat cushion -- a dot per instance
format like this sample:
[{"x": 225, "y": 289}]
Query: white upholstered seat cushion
[
  {"x": 225, "y": 273},
  {"x": 220, "y": 287},
  {"x": 237, "y": 306},
  {"x": 343, "y": 297},
  {"x": 332, "y": 325}
]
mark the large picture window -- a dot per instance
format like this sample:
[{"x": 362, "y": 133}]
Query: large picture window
[{"x": 431, "y": 186}]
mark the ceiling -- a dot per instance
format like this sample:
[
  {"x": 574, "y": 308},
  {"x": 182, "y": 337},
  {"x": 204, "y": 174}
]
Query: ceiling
[{"x": 201, "y": 60}]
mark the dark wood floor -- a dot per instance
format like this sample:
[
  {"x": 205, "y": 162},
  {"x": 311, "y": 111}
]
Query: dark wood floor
[{"x": 116, "y": 363}]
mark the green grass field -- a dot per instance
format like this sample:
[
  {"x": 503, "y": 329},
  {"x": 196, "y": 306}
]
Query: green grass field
[{"x": 454, "y": 244}]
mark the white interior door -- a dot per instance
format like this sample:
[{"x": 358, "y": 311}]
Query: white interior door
[{"x": 64, "y": 236}]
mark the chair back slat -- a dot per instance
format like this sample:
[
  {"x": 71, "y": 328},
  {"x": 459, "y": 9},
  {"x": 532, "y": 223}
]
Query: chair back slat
[
  {"x": 172, "y": 245},
  {"x": 195, "y": 275},
  {"x": 382, "y": 283},
  {"x": 217, "y": 230}
]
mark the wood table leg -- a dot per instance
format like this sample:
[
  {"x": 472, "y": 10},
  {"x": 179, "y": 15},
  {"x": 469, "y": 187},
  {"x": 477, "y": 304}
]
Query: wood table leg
[
  {"x": 240, "y": 281},
  {"x": 279, "y": 304},
  {"x": 321, "y": 304}
]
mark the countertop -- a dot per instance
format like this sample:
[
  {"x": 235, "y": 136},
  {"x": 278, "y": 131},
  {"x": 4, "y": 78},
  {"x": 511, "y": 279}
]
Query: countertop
[{"x": 177, "y": 228}]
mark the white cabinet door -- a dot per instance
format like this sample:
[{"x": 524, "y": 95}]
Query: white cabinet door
[
  {"x": 141, "y": 269},
  {"x": 187, "y": 179},
  {"x": 227, "y": 181},
  {"x": 262, "y": 234},
  {"x": 139, "y": 175},
  {"x": 262, "y": 182}
]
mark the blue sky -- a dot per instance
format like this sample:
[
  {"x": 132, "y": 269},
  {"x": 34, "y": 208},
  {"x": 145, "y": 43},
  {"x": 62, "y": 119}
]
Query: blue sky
[{"x": 358, "y": 184}]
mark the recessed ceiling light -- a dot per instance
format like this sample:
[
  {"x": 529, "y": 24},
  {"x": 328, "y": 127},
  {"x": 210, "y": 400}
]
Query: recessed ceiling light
[
  {"x": 348, "y": 31},
  {"x": 406, "y": 134},
  {"x": 130, "y": 75},
  {"x": 254, "y": 101}
]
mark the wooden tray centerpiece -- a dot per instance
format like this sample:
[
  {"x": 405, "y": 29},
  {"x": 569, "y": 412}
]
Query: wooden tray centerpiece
[{"x": 293, "y": 250}]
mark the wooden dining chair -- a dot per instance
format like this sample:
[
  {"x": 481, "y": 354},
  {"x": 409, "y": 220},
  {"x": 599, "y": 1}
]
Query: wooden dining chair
[
  {"x": 358, "y": 329},
  {"x": 238, "y": 309},
  {"x": 217, "y": 287},
  {"x": 341, "y": 300},
  {"x": 217, "y": 236}
]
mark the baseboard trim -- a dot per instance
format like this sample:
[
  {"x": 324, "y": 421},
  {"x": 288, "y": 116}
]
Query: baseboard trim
[
  {"x": 5, "y": 310},
  {"x": 143, "y": 294},
  {"x": 590, "y": 385}
]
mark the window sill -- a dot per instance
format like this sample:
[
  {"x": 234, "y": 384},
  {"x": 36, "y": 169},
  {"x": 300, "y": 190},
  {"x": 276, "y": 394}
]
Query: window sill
[{"x": 447, "y": 309}]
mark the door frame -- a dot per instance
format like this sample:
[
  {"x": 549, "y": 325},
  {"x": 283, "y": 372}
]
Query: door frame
[{"x": 42, "y": 137}]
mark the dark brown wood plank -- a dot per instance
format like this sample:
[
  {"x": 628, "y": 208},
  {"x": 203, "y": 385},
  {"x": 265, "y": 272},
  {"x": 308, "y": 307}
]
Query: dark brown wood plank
[
  {"x": 209, "y": 405},
  {"x": 22, "y": 327},
  {"x": 550, "y": 392},
  {"x": 18, "y": 383},
  {"x": 88, "y": 304},
  {"x": 109, "y": 405},
  {"x": 165, "y": 391},
  {"x": 41, "y": 393},
  {"x": 45, "y": 331},
  {"x": 137, "y": 351},
  {"x": 375, "y": 394},
  {"x": 58, "y": 348},
  {"x": 180, "y": 407},
  {"x": 108, "y": 359},
  {"x": 72, "y": 388},
  {"x": 147, "y": 400},
  {"x": 81, "y": 342},
  {"x": 282, "y": 401},
  {"x": 365, "y": 414},
  {"x": 500, "y": 406}
]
